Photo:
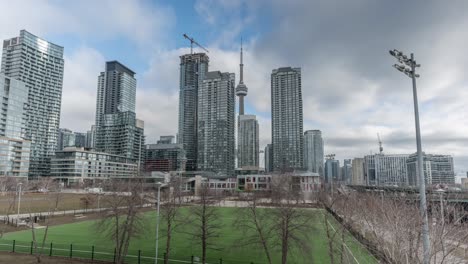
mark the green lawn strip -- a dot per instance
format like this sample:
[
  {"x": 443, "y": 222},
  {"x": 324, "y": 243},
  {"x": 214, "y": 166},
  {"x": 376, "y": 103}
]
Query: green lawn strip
[
  {"x": 358, "y": 250},
  {"x": 83, "y": 235}
]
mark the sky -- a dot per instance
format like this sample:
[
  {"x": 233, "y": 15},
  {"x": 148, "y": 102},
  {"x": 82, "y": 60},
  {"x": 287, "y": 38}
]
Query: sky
[{"x": 350, "y": 90}]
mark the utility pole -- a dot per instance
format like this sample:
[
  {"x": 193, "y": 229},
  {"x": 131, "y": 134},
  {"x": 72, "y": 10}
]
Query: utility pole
[
  {"x": 157, "y": 223},
  {"x": 410, "y": 71},
  {"x": 19, "y": 200}
]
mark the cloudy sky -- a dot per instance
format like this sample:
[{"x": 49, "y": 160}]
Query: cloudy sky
[{"x": 350, "y": 90}]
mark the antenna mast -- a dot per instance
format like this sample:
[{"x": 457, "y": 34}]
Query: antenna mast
[{"x": 193, "y": 41}]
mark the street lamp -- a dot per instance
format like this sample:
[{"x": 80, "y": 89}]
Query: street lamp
[
  {"x": 408, "y": 66},
  {"x": 159, "y": 184},
  {"x": 19, "y": 200}
]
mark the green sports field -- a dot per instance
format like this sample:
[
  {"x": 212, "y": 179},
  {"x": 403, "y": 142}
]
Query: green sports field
[{"x": 84, "y": 235}]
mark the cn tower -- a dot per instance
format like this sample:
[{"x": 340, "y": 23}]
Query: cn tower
[{"x": 241, "y": 89}]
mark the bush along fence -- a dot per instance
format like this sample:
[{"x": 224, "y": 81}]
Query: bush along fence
[{"x": 93, "y": 253}]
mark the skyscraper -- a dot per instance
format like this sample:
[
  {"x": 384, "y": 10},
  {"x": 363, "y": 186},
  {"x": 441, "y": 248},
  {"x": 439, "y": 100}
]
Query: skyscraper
[
  {"x": 357, "y": 173},
  {"x": 193, "y": 68},
  {"x": 216, "y": 118},
  {"x": 39, "y": 64},
  {"x": 269, "y": 158},
  {"x": 66, "y": 138},
  {"x": 332, "y": 170},
  {"x": 247, "y": 128},
  {"x": 287, "y": 119},
  {"x": 346, "y": 174},
  {"x": 14, "y": 147},
  {"x": 313, "y": 151},
  {"x": 118, "y": 131}
]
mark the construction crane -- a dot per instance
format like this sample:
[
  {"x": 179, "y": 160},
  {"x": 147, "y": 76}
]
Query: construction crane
[
  {"x": 330, "y": 156},
  {"x": 192, "y": 41},
  {"x": 380, "y": 144}
]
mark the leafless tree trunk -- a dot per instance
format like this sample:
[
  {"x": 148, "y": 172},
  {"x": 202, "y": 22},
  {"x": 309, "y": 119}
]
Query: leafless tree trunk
[
  {"x": 292, "y": 224},
  {"x": 122, "y": 221},
  {"x": 39, "y": 243},
  {"x": 256, "y": 226},
  {"x": 172, "y": 198},
  {"x": 205, "y": 221}
]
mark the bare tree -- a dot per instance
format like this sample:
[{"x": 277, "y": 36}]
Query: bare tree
[
  {"x": 170, "y": 212},
  {"x": 205, "y": 220},
  {"x": 40, "y": 242},
  {"x": 391, "y": 225},
  {"x": 256, "y": 225},
  {"x": 122, "y": 221},
  {"x": 292, "y": 224}
]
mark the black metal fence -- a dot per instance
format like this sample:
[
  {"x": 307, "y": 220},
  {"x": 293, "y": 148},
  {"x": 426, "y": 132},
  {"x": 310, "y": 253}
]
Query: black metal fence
[{"x": 92, "y": 252}]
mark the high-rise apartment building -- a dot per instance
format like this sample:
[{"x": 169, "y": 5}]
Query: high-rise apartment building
[
  {"x": 14, "y": 146},
  {"x": 438, "y": 169},
  {"x": 216, "y": 119},
  {"x": 193, "y": 68},
  {"x": 90, "y": 137},
  {"x": 39, "y": 64},
  {"x": 269, "y": 158},
  {"x": 313, "y": 151},
  {"x": 332, "y": 171},
  {"x": 248, "y": 142},
  {"x": 357, "y": 174},
  {"x": 247, "y": 128},
  {"x": 66, "y": 138},
  {"x": 346, "y": 174},
  {"x": 287, "y": 119},
  {"x": 80, "y": 139},
  {"x": 381, "y": 169},
  {"x": 118, "y": 131}
]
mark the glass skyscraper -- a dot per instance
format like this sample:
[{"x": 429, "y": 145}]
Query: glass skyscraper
[
  {"x": 313, "y": 151},
  {"x": 14, "y": 146},
  {"x": 39, "y": 64},
  {"x": 286, "y": 119},
  {"x": 247, "y": 139},
  {"x": 216, "y": 119},
  {"x": 193, "y": 68},
  {"x": 118, "y": 131}
]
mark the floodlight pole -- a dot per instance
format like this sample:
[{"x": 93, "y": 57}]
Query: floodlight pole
[
  {"x": 422, "y": 181},
  {"x": 422, "y": 178}
]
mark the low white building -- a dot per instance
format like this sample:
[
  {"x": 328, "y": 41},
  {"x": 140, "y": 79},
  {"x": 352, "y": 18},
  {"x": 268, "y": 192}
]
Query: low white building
[{"x": 254, "y": 182}]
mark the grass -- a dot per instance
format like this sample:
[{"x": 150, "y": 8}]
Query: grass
[{"x": 83, "y": 235}]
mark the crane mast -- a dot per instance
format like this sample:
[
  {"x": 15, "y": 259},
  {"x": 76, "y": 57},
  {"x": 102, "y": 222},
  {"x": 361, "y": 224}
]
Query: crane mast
[{"x": 380, "y": 144}]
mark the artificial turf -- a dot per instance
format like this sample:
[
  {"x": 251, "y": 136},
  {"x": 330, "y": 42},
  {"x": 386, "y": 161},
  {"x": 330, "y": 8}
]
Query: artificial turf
[{"x": 84, "y": 235}]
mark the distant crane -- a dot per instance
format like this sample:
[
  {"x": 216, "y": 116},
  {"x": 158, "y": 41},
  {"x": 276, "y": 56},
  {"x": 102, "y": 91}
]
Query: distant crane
[
  {"x": 330, "y": 156},
  {"x": 192, "y": 41},
  {"x": 380, "y": 144}
]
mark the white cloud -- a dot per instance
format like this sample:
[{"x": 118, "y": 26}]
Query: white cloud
[
  {"x": 137, "y": 21},
  {"x": 82, "y": 68}
]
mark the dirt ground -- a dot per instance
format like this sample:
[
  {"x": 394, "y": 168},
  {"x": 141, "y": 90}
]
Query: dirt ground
[
  {"x": 8, "y": 258},
  {"x": 42, "y": 202},
  {"x": 59, "y": 220}
]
